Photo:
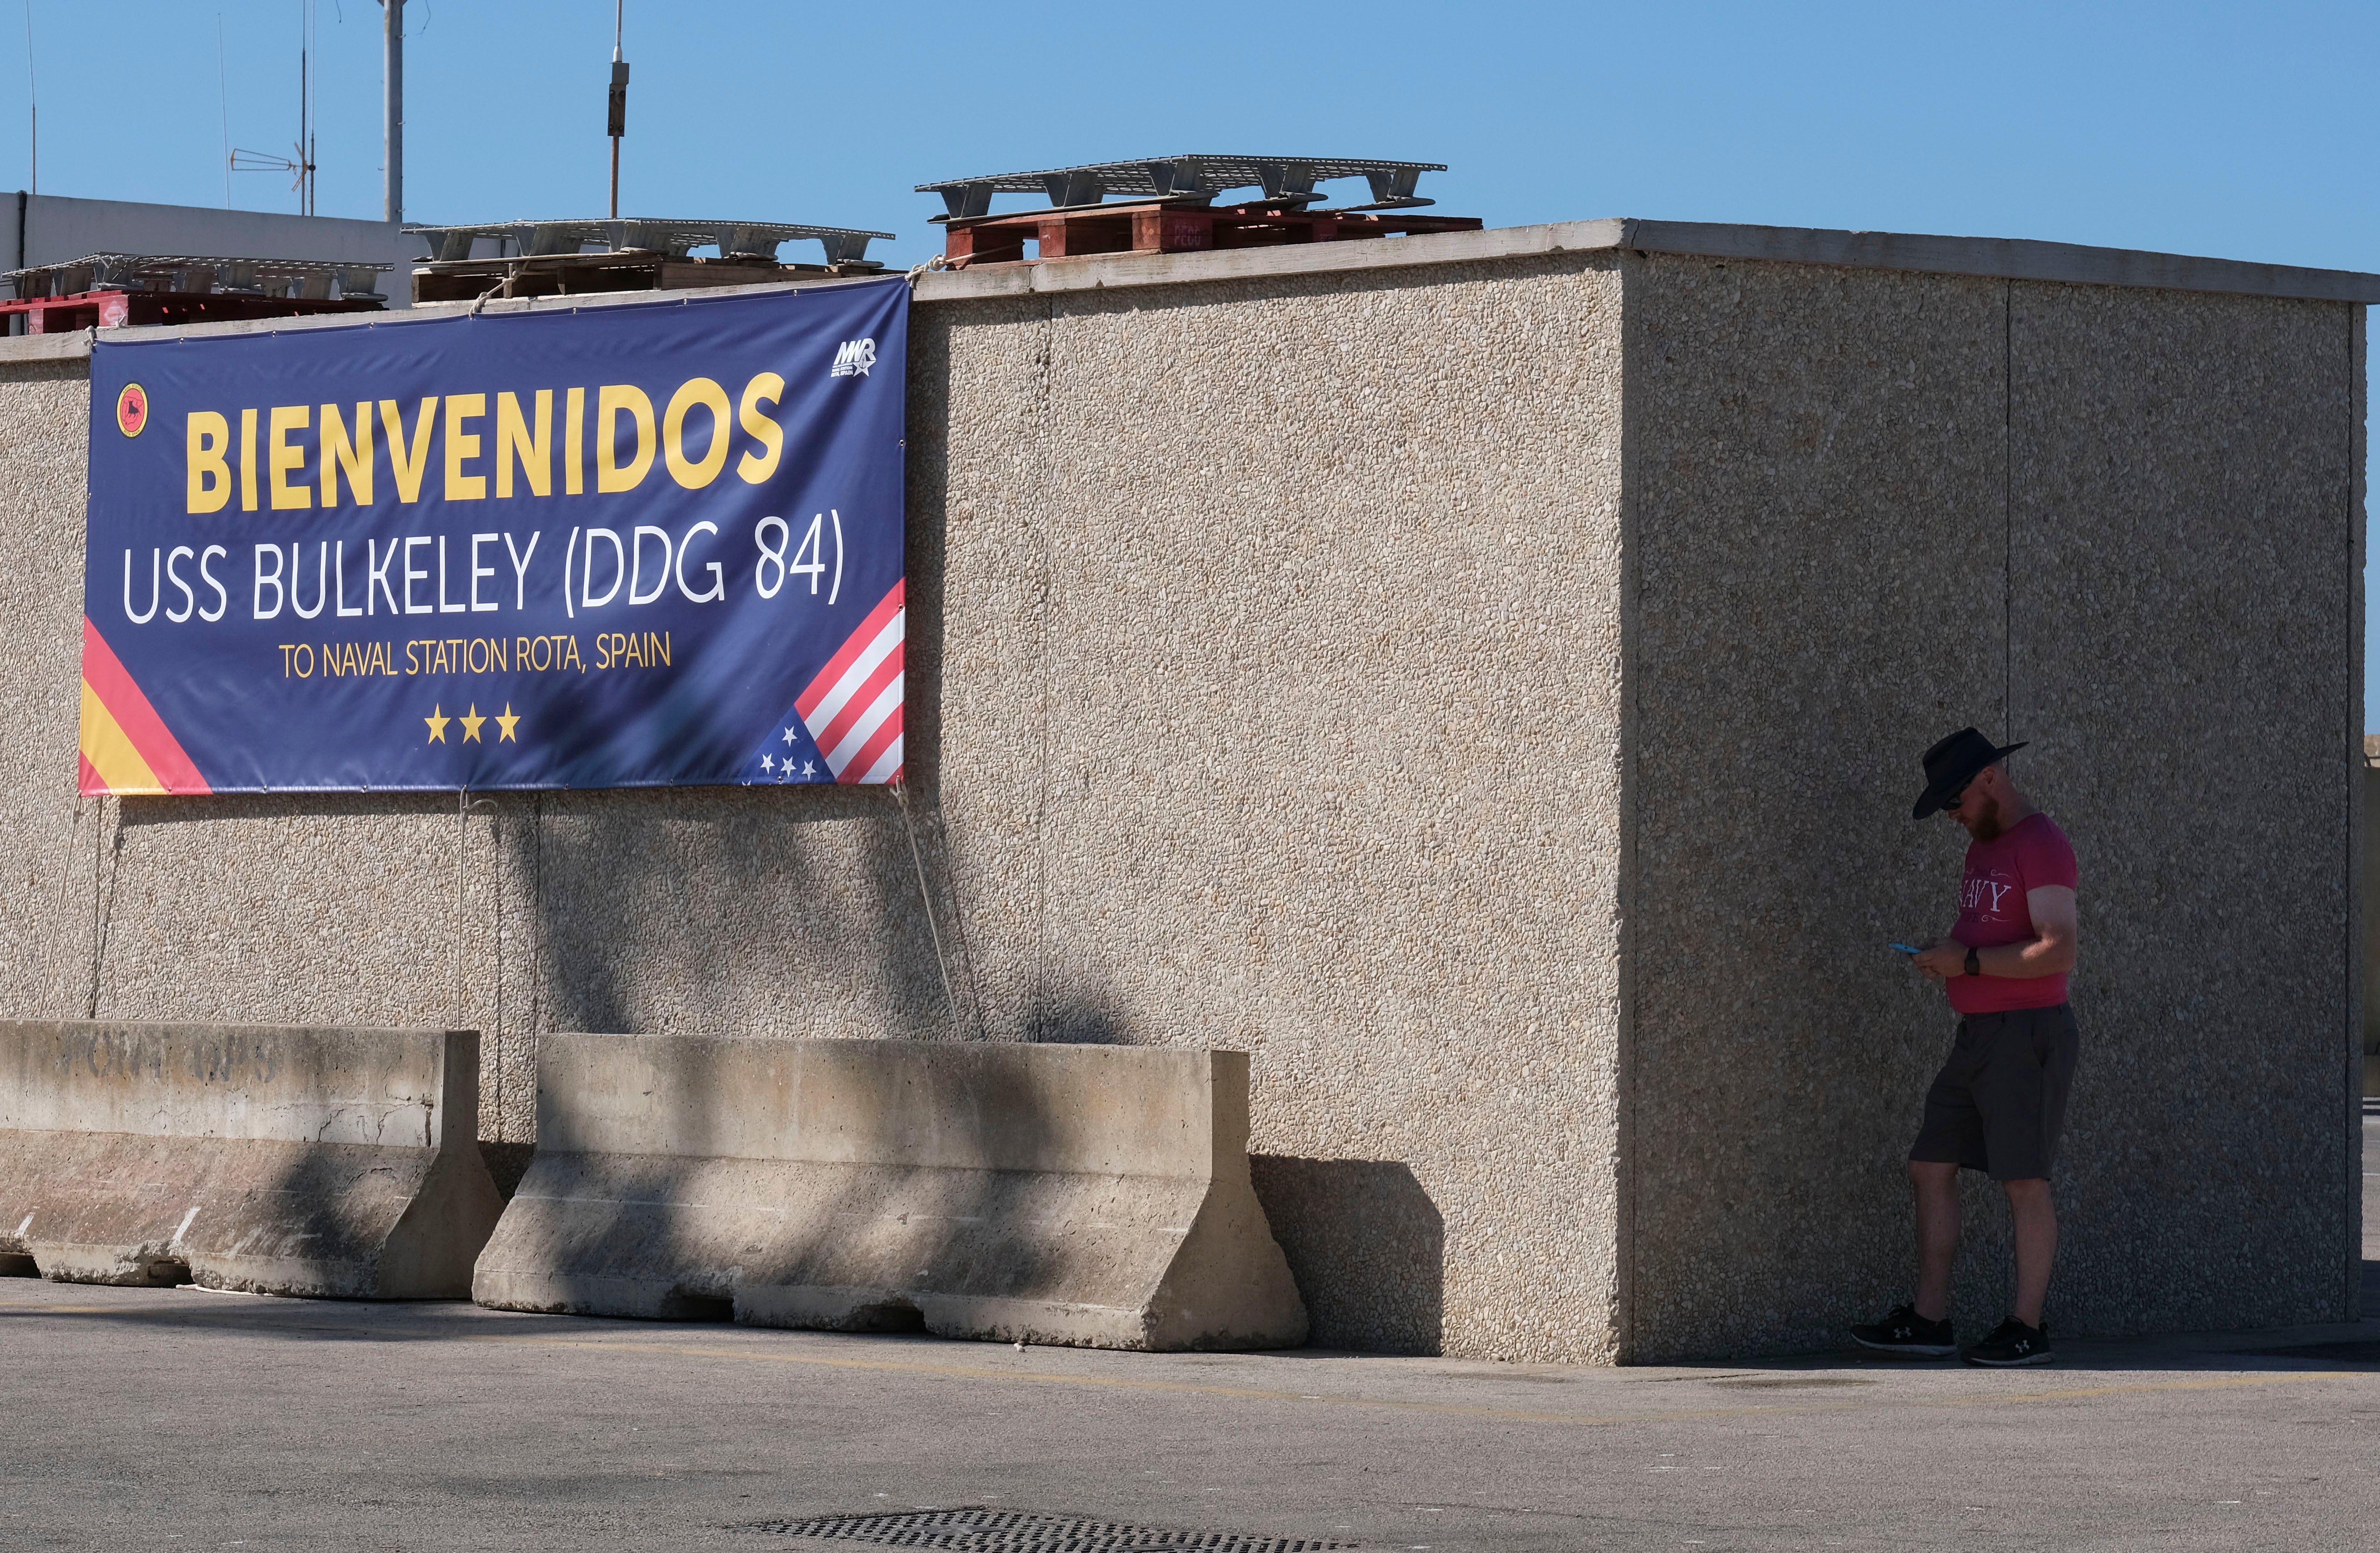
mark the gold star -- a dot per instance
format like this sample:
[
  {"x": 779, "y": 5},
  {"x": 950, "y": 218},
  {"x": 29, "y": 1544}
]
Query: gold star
[
  {"x": 437, "y": 726},
  {"x": 505, "y": 721},
  {"x": 472, "y": 720}
]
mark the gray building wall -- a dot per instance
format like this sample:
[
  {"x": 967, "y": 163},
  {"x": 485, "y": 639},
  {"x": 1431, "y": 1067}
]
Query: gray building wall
[
  {"x": 2122, "y": 524},
  {"x": 1814, "y": 507},
  {"x": 1482, "y": 678},
  {"x": 53, "y": 229}
]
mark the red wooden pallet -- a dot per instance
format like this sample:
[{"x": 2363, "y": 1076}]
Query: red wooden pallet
[
  {"x": 112, "y": 309},
  {"x": 1174, "y": 226}
]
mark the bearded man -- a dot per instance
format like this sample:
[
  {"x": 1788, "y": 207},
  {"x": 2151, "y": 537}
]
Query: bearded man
[{"x": 1999, "y": 1101}]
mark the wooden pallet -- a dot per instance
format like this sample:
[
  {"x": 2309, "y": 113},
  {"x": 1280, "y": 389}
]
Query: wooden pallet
[
  {"x": 114, "y": 310},
  {"x": 1174, "y": 226}
]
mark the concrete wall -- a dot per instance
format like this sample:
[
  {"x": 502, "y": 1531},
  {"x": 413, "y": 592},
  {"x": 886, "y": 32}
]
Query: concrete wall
[
  {"x": 1258, "y": 700},
  {"x": 1014, "y": 1190},
  {"x": 1270, "y": 614},
  {"x": 1278, "y": 690},
  {"x": 2185, "y": 645},
  {"x": 334, "y": 1163},
  {"x": 2122, "y": 524},
  {"x": 1815, "y": 463}
]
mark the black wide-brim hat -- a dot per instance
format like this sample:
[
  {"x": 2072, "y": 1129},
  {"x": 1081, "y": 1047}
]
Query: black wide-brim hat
[{"x": 1953, "y": 763}]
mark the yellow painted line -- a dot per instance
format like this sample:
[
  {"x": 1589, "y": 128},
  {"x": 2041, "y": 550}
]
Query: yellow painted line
[
  {"x": 1242, "y": 1393},
  {"x": 62, "y": 1310}
]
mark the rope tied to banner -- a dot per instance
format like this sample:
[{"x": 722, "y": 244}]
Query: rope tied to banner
[
  {"x": 50, "y": 977},
  {"x": 931, "y": 266},
  {"x": 464, "y": 805},
  {"x": 925, "y": 895}
]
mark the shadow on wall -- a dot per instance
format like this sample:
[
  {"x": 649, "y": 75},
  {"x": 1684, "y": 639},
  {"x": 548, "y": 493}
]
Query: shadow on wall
[
  {"x": 1366, "y": 1246},
  {"x": 630, "y": 882},
  {"x": 506, "y": 1162}
]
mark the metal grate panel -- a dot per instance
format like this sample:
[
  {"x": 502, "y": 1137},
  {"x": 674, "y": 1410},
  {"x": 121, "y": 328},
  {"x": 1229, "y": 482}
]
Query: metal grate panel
[
  {"x": 674, "y": 235},
  {"x": 973, "y": 1529},
  {"x": 310, "y": 278},
  {"x": 1197, "y": 175}
]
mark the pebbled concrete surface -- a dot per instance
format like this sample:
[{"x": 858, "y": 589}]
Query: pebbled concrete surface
[
  {"x": 2217, "y": 461},
  {"x": 163, "y": 1418},
  {"x": 1388, "y": 673},
  {"x": 1264, "y": 694},
  {"x": 1803, "y": 435},
  {"x": 1867, "y": 509}
]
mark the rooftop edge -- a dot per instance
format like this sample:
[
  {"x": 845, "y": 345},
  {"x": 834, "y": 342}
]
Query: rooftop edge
[{"x": 1993, "y": 258}]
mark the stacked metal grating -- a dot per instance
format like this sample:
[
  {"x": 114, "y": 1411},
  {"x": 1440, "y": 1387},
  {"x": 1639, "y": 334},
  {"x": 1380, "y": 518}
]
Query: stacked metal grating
[
  {"x": 276, "y": 279},
  {"x": 1176, "y": 204},
  {"x": 1200, "y": 176},
  {"x": 750, "y": 241},
  {"x": 646, "y": 253}
]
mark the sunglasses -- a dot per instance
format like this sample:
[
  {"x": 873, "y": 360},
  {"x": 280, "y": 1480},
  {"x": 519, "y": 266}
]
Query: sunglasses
[{"x": 1950, "y": 805}]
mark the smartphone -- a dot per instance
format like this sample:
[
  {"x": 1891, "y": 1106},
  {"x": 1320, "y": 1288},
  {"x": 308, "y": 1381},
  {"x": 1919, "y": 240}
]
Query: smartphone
[{"x": 1904, "y": 948}]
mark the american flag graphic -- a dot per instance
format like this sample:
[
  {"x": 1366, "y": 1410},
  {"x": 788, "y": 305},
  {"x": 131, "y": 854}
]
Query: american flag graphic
[{"x": 853, "y": 709}]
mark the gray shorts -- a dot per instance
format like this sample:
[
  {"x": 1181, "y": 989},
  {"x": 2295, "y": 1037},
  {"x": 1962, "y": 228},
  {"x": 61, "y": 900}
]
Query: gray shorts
[{"x": 1999, "y": 1103}]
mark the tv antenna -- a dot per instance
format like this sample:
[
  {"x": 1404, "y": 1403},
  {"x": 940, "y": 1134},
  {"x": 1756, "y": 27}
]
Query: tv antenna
[{"x": 302, "y": 166}]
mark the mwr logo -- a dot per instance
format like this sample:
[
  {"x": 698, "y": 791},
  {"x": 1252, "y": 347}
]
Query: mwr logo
[{"x": 853, "y": 357}]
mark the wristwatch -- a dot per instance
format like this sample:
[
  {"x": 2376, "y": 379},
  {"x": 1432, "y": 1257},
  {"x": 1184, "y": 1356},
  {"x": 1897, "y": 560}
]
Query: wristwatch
[{"x": 1975, "y": 966}]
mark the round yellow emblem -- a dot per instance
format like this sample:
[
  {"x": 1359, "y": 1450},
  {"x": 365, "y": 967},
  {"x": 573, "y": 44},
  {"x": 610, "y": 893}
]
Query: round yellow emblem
[{"x": 132, "y": 409}]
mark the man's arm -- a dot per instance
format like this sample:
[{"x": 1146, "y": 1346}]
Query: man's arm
[{"x": 2050, "y": 952}]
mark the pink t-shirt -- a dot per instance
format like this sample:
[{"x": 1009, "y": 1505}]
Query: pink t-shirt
[{"x": 1992, "y": 910}]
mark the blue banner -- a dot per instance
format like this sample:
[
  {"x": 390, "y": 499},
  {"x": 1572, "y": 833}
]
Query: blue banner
[{"x": 636, "y": 545}]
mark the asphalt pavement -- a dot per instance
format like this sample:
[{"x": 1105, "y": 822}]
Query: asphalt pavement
[{"x": 179, "y": 1419}]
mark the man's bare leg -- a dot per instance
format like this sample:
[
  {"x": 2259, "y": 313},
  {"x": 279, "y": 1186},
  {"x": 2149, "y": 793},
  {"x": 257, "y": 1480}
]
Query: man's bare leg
[
  {"x": 1937, "y": 1234},
  {"x": 2035, "y": 1213}
]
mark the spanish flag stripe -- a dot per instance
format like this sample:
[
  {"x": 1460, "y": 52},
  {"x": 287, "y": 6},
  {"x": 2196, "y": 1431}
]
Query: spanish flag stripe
[
  {"x": 110, "y": 764},
  {"x": 108, "y": 687}
]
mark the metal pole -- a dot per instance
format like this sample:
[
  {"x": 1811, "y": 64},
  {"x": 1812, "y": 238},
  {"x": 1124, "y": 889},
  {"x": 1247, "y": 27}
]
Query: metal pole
[
  {"x": 393, "y": 109},
  {"x": 618, "y": 123},
  {"x": 223, "y": 99},
  {"x": 305, "y": 117},
  {"x": 32, "y": 107}
]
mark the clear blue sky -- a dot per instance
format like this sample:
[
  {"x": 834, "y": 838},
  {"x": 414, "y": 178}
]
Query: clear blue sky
[{"x": 2245, "y": 131}]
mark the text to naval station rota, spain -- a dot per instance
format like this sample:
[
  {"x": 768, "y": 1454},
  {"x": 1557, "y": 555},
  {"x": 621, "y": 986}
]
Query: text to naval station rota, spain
[{"x": 635, "y": 545}]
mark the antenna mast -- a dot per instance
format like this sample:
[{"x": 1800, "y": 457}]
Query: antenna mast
[
  {"x": 305, "y": 110},
  {"x": 619, "y": 117},
  {"x": 302, "y": 164},
  {"x": 392, "y": 199},
  {"x": 223, "y": 99},
  {"x": 32, "y": 105}
]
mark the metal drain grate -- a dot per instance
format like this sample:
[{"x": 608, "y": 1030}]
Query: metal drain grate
[{"x": 972, "y": 1529}]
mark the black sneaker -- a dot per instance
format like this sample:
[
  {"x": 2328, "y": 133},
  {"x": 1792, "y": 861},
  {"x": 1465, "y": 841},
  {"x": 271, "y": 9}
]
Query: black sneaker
[
  {"x": 1905, "y": 1332},
  {"x": 2013, "y": 1343}
]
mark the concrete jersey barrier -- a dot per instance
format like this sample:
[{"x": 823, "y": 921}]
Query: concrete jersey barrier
[
  {"x": 1073, "y": 1194},
  {"x": 341, "y": 1163}
]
